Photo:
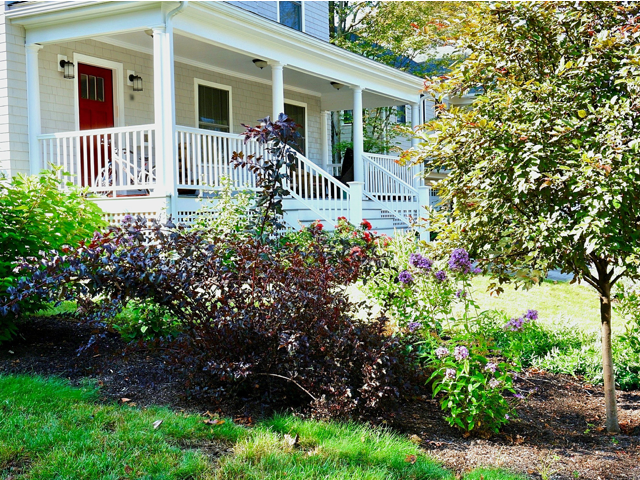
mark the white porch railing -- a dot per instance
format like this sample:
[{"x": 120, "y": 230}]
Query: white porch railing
[
  {"x": 390, "y": 163},
  {"x": 203, "y": 157},
  {"x": 319, "y": 191},
  {"x": 389, "y": 191},
  {"x": 109, "y": 161}
]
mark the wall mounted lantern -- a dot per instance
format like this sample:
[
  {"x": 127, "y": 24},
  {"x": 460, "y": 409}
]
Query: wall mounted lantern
[
  {"x": 69, "y": 69},
  {"x": 260, "y": 63},
  {"x": 136, "y": 80}
]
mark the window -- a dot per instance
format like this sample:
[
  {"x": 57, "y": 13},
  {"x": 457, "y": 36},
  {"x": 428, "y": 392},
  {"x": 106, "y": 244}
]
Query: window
[
  {"x": 290, "y": 14},
  {"x": 298, "y": 113},
  {"x": 401, "y": 114},
  {"x": 92, "y": 87},
  {"x": 213, "y": 106},
  {"x": 348, "y": 117}
]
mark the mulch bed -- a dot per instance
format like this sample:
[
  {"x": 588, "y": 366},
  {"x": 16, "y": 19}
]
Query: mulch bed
[{"x": 558, "y": 434}]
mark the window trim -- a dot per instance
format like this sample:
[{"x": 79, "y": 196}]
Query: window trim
[
  {"x": 296, "y": 103},
  {"x": 302, "y": 16},
  {"x": 199, "y": 81}
]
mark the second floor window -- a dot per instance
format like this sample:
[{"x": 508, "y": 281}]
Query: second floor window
[
  {"x": 401, "y": 114},
  {"x": 291, "y": 14}
]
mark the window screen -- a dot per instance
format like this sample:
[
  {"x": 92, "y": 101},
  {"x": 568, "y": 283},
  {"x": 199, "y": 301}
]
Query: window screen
[
  {"x": 213, "y": 108},
  {"x": 291, "y": 14}
]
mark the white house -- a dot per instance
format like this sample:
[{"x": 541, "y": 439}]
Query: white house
[{"x": 143, "y": 103}]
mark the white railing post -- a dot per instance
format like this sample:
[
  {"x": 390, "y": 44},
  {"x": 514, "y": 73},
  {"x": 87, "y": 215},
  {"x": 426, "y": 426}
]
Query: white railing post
[
  {"x": 424, "y": 201},
  {"x": 357, "y": 191},
  {"x": 358, "y": 135},
  {"x": 34, "y": 122}
]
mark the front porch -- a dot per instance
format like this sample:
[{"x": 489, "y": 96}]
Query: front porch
[{"x": 164, "y": 146}]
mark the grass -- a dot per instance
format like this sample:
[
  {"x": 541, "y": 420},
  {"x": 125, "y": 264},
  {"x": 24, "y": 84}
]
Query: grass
[
  {"x": 556, "y": 302},
  {"x": 49, "y": 430}
]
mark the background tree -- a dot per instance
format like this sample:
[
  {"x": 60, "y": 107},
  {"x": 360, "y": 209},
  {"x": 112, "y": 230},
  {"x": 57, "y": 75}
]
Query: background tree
[
  {"x": 404, "y": 35},
  {"x": 543, "y": 169}
]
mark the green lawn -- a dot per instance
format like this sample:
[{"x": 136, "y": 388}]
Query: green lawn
[
  {"x": 49, "y": 430},
  {"x": 556, "y": 303}
]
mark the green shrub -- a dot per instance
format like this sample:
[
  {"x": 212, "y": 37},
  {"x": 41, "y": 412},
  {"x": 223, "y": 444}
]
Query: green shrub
[
  {"x": 145, "y": 320},
  {"x": 39, "y": 213}
]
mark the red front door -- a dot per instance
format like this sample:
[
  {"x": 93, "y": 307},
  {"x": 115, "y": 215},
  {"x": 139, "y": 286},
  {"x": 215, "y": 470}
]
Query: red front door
[{"x": 95, "y": 93}]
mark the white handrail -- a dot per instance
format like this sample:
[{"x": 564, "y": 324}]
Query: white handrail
[
  {"x": 319, "y": 191},
  {"x": 389, "y": 162},
  {"x": 390, "y": 192}
]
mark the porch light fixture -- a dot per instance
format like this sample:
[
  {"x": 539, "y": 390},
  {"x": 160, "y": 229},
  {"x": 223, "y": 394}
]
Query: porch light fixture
[
  {"x": 137, "y": 82},
  {"x": 337, "y": 85},
  {"x": 260, "y": 63},
  {"x": 69, "y": 69}
]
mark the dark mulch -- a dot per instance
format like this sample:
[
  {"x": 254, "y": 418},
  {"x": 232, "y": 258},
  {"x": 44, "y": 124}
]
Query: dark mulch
[{"x": 558, "y": 434}]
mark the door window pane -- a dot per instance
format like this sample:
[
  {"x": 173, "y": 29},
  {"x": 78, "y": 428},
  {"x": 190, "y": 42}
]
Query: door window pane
[
  {"x": 291, "y": 14},
  {"x": 84, "y": 86},
  {"x": 297, "y": 114},
  {"x": 100, "y": 89},
  {"x": 213, "y": 108}
]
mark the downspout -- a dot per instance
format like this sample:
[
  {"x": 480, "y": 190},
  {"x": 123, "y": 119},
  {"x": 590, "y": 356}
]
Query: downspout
[{"x": 170, "y": 130}]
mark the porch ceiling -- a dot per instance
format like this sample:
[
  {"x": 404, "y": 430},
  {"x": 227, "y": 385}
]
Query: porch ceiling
[{"x": 224, "y": 60}]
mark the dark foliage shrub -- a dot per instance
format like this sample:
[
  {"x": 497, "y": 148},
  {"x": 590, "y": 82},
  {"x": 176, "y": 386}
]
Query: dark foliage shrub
[
  {"x": 38, "y": 214},
  {"x": 247, "y": 310}
]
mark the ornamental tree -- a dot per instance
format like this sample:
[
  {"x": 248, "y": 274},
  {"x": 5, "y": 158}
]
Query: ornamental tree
[{"x": 543, "y": 169}]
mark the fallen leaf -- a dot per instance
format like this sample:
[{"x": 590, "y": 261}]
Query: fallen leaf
[
  {"x": 291, "y": 441},
  {"x": 132, "y": 404},
  {"x": 125, "y": 400},
  {"x": 415, "y": 439},
  {"x": 128, "y": 470},
  {"x": 214, "y": 422},
  {"x": 157, "y": 424},
  {"x": 411, "y": 459}
]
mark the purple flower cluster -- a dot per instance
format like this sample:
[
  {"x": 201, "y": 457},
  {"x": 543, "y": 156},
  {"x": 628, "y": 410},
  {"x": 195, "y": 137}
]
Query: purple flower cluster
[
  {"x": 418, "y": 261},
  {"x": 460, "y": 261},
  {"x": 442, "y": 352},
  {"x": 413, "y": 326},
  {"x": 461, "y": 293},
  {"x": 440, "y": 275},
  {"x": 405, "y": 277},
  {"x": 490, "y": 367},
  {"x": 517, "y": 324},
  {"x": 461, "y": 353},
  {"x": 450, "y": 374},
  {"x": 494, "y": 383}
]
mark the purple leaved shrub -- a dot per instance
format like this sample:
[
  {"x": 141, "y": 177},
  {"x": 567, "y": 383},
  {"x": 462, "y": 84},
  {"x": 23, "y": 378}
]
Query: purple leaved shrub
[{"x": 247, "y": 310}]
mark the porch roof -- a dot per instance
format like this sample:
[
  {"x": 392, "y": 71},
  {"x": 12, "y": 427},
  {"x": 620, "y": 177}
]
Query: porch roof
[{"x": 227, "y": 38}]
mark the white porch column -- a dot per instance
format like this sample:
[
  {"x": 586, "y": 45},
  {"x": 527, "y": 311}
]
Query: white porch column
[
  {"x": 277, "y": 79},
  {"x": 415, "y": 121},
  {"x": 324, "y": 138},
  {"x": 358, "y": 135},
  {"x": 34, "y": 121},
  {"x": 424, "y": 201},
  {"x": 164, "y": 112}
]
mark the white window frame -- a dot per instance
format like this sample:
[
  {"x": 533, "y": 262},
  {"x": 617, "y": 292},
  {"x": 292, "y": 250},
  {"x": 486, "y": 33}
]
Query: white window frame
[
  {"x": 306, "y": 121},
  {"x": 302, "y": 15},
  {"x": 207, "y": 83},
  {"x": 117, "y": 78}
]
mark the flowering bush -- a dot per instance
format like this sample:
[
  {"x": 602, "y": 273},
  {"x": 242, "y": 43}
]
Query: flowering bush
[
  {"x": 419, "y": 292},
  {"x": 474, "y": 391}
]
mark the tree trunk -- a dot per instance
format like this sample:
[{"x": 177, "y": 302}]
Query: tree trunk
[{"x": 607, "y": 360}]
